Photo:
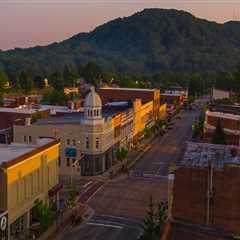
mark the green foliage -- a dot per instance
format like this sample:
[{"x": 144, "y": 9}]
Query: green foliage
[
  {"x": 3, "y": 79},
  {"x": 55, "y": 98},
  {"x": 121, "y": 154},
  {"x": 56, "y": 81},
  {"x": 218, "y": 136},
  {"x": 150, "y": 42},
  {"x": 72, "y": 194},
  {"x": 197, "y": 127},
  {"x": 25, "y": 81},
  {"x": 44, "y": 216},
  {"x": 70, "y": 74},
  {"x": 92, "y": 73},
  {"x": 154, "y": 220}
]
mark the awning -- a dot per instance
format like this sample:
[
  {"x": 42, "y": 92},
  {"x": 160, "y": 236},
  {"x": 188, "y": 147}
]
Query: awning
[{"x": 55, "y": 190}]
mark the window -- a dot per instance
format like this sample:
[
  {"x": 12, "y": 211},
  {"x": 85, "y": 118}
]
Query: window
[
  {"x": 74, "y": 142},
  {"x": 87, "y": 143},
  {"x": 30, "y": 138},
  {"x": 97, "y": 143},
  {"x": 59, "y": 161},
  {"x": 68, "y": 162},
  {"x": 68, "y": 141},
  {"x": 25, "y": 138}
]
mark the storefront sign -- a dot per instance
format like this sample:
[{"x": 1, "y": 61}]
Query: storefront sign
[
  {"x": 3, "y": 225},
  {"x": 71, "y": 152}
]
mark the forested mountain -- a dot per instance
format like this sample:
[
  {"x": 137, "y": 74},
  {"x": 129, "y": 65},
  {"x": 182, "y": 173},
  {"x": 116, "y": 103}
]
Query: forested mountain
[{"x": 148, "y": 42}]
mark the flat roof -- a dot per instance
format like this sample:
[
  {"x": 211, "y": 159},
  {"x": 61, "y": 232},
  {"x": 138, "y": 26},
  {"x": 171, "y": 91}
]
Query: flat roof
[
  {"x": 130, "y": 89},
  {"x": 200, "y": 154},
  {"x": 12, "y": 151},
  {"x": 109, "y": 110},
  {"x": 66, "y": 118},
  {"x": 23, "y": 110},
  {"x": 231, "y": 109},
  {"x": 62, "y": 109}
]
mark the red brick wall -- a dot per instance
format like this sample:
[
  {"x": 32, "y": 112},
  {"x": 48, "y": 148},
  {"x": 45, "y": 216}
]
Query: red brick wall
[
  {"x": 226, "y": 203},
  {"x": 111, "y": 95},
  {"x": 226, "y": 123},
  {"x": 8, "y": 119},
  {"x": 189, "y": 195}
]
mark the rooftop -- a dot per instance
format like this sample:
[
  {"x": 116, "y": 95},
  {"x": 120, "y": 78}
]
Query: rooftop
[
  {"x": 224, "y": 108},
  {"x": 200, "y": 154},
  {"x": 109, "y": 110},
  {"x": 129, "y": 89},
  {"x": 23, "y": 110},
  {"x": 12, "y": 151}
]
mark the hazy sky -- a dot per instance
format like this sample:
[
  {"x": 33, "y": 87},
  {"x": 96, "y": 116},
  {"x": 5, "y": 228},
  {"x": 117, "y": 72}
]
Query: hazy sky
[{"x": 25, "y": 23}]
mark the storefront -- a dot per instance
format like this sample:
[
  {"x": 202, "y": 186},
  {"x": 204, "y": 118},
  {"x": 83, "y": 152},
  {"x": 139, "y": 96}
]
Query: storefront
[
  {"x": 3, "y": 226},
  {"x": 18, "y": 229}
]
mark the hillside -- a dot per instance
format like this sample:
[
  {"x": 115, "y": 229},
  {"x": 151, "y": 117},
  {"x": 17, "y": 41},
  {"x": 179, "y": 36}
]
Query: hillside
[{"x": 148, "y": 42}]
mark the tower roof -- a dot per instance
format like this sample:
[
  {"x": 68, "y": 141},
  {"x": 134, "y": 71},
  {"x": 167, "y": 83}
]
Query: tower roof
[{"x": 93, "y": 100}]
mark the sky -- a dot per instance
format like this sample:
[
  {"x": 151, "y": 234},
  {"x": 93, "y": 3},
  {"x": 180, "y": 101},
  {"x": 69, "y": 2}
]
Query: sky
[{"x": 26, "y": 23}]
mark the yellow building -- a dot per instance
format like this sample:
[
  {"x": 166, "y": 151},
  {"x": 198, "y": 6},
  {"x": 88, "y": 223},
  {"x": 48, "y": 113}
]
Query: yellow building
[
  {"x": 28, "y": 175},
  {"x": 163, "y": 111},
  {"x": 143, "y": 116}
]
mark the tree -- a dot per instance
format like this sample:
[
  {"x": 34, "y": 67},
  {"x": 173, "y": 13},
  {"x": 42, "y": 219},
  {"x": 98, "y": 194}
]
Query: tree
[
  {"x": 218, "y": 136},
  {"x": 121, "y": 154},
  {"x": 72, "y": 194},
  {"x": 57, "y": 98},
  {"x": 161, "y": 217},
  {"x": 92, "y": 73},
  {"x": 39, "y": 81},
  {"x": 149, "y": 224},
  {"x": 154, "y": 220},
  {"x": 44, "y": 216},
  {"x": 3, "y": 79},
  {"x": 68, "y": 76},
  {"x": 26, "y": 81},
  {"x": 56, "y": 80}
]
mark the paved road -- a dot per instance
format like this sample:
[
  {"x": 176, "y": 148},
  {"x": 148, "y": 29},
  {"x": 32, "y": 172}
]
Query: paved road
[{"x": 121, "y": 204}]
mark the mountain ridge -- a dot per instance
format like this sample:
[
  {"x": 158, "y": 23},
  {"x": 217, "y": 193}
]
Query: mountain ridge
[{"x": 147, "y": 42}]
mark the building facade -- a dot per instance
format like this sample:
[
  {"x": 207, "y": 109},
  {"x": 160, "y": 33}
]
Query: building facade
[
  {"x": 90, "y": 139},
  {"x": 229, "y": 118},
  {"x": 28, "y": 175},
  {"x": 131, "y": 94},
  {"x": 209, "y": 176}
]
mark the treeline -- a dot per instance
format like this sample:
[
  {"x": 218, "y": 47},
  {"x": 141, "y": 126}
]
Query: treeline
[{"x": 196, "y": 83}]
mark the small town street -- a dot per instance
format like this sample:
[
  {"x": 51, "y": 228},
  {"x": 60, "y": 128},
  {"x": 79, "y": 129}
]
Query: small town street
[{"x": 121, "y": 204}]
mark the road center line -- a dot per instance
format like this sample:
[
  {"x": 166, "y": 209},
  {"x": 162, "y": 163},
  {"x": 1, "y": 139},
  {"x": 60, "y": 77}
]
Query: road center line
[{"x": 105, "y": 225}]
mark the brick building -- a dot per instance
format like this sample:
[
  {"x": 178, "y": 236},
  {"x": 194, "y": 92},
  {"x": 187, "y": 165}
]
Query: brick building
[
  {"x": 130, "y": 94},
  {"x": 229, "y": 116},
  {"x": 205, "y": 191},
  {"x": 16, "y": 116}
]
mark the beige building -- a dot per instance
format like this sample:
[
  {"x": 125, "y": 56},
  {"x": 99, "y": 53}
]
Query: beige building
[
  {"x": 28, "y": 176},
  {"x": 90, "y": 139}
]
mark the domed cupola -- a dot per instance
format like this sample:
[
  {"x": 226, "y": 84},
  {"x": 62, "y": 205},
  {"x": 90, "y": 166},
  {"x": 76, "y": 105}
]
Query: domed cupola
[{"x": 93, "y": 106}]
